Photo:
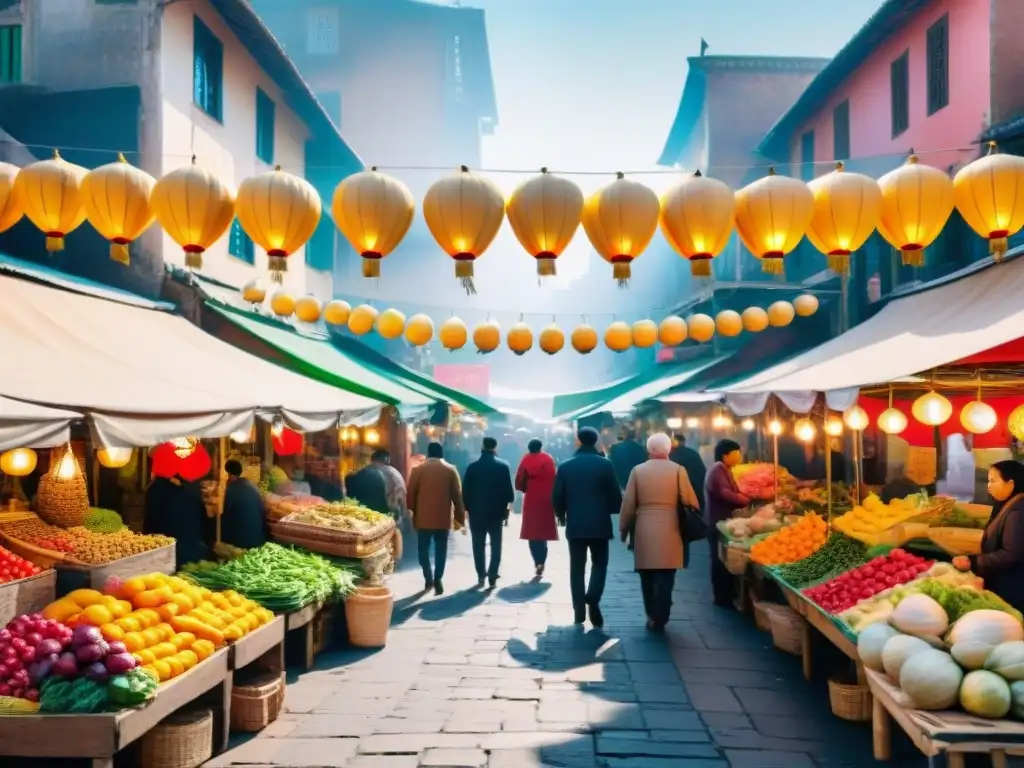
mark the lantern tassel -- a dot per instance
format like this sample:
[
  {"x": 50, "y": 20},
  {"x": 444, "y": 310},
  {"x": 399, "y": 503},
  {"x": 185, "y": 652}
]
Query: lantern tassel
[
  {"x": 278, "y": 266},
  {"x": 839, "y": 263},
  {"x": 371, "y": 267},
  {"x": 912, "y": 257},
  {"x": 546, "y": 267},
  {"x": 622, "y": 271},
  {"x": 700, "y": 267},
  {"x": 998, "y": 246},
  {"x": 119, "y": 253},
  {"x": 54, "y": 242},
  {"x": 194, "y": 259},
  {"x": 772, "y": 265},
  {"x": 464, "y": 271}
]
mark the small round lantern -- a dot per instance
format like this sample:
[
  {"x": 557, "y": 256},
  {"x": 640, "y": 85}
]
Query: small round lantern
[
  {"x": 390, "y": 324},
  {"x": 620, "y": 220},
  {"x": 805, "y": 305},
  {"x": 702, "y": 328},
  {"x": 374, "y": 212},
  {"x": 254, "y": 292},
  {"x": 487, "y": 337},
  {"x": 114, "y": 458},
  {"x": 672, "y": 331},
  {"x": 519, "y": 338},
  {"x": 772, "y": 215},
  {"x": 286, "y": 442},
  {"x": 804, "y": 430},
  {"x": 337, "y": 312},
  {"x": 544, "y": 213},
  {"x": 50, "y": 193},
  {"x": 754, "y": 319},
  {"x": 645, "y": 334},
  {"x": 551, "y": 340},
  {"x": 19, "y": 462},
  {"x": 846, "y": 210},
  {"x": 419, "y": 330},
  {"x": 781, "y": 314},
  {"x": 833, "y": 426},
  {"x": 697, "y": 216},
  {"x": 618, "y": 336},
  {"x": 453, "y": 334},
  {"x": 856, "y": 418},
  {"x": 978, "y": 418},
  {"x": 11, "y": 209},
  {"x": 584, "y": 339},
  {"x": 361, "y": 319},
  {"x": 916, "y": 203},
  {"x": 308, "y": 309},
  {"x": 892, "y": 421},
  {"x": 728, "y": 323},
  {"x": 282, "y": 303},
  {"x": 932, "y": 409},
  {"x": 987, "y": 194},
  {"x": 116, "y": 200}
]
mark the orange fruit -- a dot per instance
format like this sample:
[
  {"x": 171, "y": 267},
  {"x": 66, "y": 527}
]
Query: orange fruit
[
  {"x": 151, "y": 636},
  {"x": 129, "y": 624},
  {"x": 168, "y": 611},
  {"x": 177, "y": 668},
  {"x": 188, "y": 659},
  {"x": 203, "y": 649},
  {"x": 163, "y": 670},
  {"x": 183, "y": 601},
  {"x": 132, "y": 587},
  {"x": 183, "y": 640},
  {"x": 111, "y": 632},
  {"x": 145, "y": 656},
  {"x": 134, "y": 642},
  {"x": 163, "y": 650}
]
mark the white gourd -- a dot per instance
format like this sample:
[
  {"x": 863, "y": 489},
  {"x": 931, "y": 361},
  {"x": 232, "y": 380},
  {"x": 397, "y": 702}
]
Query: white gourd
[{"x": 931, "y": 679}]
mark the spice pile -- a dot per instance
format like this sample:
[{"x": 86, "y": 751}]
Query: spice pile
[{"x": 82, "y": 544}]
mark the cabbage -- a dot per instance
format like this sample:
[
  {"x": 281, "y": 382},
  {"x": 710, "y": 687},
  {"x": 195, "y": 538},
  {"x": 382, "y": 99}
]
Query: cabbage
[
  {"x": 985, "y": 694},
  {"x": 920, "y": 615},
  {"x": 1007, "y": 660},
  {"x": 931, "y": 679},
  {"x": 870, "y": 643},
  {"x": 897, "y": 650}
]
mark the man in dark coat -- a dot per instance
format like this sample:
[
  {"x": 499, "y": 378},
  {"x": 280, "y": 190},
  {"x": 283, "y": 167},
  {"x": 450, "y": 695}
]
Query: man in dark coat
[
  {"x": 586, "y": 495},
  {"x": 626, "y": 454},
  {"x": 244, "y": 522},
  {"x": 174, "y": 507},
  {"x": 369, "y": 488},
  {"x": 690, "y": 460},
  {"x": 488, "y": 493}
]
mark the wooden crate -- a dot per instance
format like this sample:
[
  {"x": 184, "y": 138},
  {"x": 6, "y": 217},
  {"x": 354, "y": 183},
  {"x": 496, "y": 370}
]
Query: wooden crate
[
  {"x": 73, "y": 576},
  {"x": 27, "y": 595}
]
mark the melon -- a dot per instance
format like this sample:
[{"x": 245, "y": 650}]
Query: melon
[
  {"x": 986, "y": 626},
  {"x": 921, "y": 616},
  {"x": 1007, "y": 660},
  {"x": 971, "y": 655},
  {"x": 931, "y": 679},
  {"x": 897, "y": 650},
  {"x": 985, "y": 694},
  {"x": 870, "y": 643}
]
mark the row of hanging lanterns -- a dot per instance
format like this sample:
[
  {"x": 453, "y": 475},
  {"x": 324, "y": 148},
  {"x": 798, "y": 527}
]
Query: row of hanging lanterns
[{"x": 933, "y": 409}]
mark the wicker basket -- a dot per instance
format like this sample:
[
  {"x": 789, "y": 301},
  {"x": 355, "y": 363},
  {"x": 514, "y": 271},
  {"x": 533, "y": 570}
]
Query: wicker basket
[
  {"x": 763, "y": 614},
  {"x": 397, "y": 546},
  {"x": 736, "y": 560},
  {"x": 787, "y": 630},
  {"x": 850, "y": 701},
  {"x": 63, "y": 501},
  {"x": 329, "y": 541},
  {"x": 368, "y": 615},
  {"x": 183, "y": 740},
  {"x": 258, "y": 703}
]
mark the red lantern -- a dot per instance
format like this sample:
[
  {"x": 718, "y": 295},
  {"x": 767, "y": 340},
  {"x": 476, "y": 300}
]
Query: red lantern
[
  {"x": 287, "y": 442},
  {"x": 166, "y": 463}
]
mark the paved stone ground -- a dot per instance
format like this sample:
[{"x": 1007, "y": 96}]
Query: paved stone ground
[{"x": 503, "y": 680}]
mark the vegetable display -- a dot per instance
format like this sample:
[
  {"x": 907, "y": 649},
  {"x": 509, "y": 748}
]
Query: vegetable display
[
  {"x": 790, "y": 544},
  {"x": 348, "y": 515},
  {"x": 103, "y": 521},
  {"x": 29, "y": 646},
  {"x": 758, "y": 481},
  {"x": 83, "y": 545},
  {"x": 848, "y": 589},
  {"x": 865, "y": 521},
  {"x": 13, "y": 568},
  {"x": 837, "y": 555}
]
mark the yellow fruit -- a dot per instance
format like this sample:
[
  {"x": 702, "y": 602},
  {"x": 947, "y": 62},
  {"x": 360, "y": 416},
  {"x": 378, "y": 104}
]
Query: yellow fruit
[
  {"x": 98, "y": 615},
  {"x": 183, "y": 640},
  {"x": 134, "y": 642},
  {"x": 86, "y": 597},
  {"x": 163, "y": 670},
  {"x": 177, "y": 668},
  {"x": 145, "y": 656}
]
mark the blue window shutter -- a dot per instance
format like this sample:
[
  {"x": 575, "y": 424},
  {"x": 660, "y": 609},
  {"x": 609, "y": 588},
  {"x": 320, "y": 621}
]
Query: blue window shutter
[
  {"x": 208, "y": 70},
  {"x": 265, "y": 121},
  {"x": 240, "y": 245}
]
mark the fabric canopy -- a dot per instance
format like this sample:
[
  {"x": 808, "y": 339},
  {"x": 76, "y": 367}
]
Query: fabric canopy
[
  {"x": 912, "y": 334},
  {"x": 27, "y": 425},
  {"x": 642, "y": 387}
]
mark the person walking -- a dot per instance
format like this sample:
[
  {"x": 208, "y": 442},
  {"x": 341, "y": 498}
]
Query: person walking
[
  {"x": 723, "y": 497},
  {"x": 626, "y": 454},
  {"x": 535, "y": 479},
  {"x": 691, "y": 461},
  {"x": 585, "y": 497},
  {"x": 435, "y": 500},
  {"x": 488, "y": 496},
  {"x": 650, "y": 511},
  {"x": 244, "y": 522},
  {"x": 369, "y": 487}
]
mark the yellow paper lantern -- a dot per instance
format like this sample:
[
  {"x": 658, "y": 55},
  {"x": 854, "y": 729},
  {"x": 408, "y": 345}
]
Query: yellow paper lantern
[
  {"x": 519, "y": 338},
  {"x": 932, "y": 409},
  {"x": 194, "y": 208},
  {"x": 978, "y": 417},
  {"x": 702, "y": 328},
  {"x": 618, "y": 336},
  {"x": 453, "y": 334},
  {"x": 116, "y": 201},
  {"x": 114, "y": 458},
  {"x": 464, "y": 213},
  {"x": 645, "y": 334},
  {"x": 856, "y": 418},
  {"x": 11, "y": 209},
  {"x": 892, "y": 421},
  {"x": 697, "y": 216},
  {"x": 552, "y": 340},
  {"x": 337, "y": 312},
  {"x": 781, "y": 314},
  {"x": 544, "y": 213},
  {"x": 487, "y": 337},
  {"x": 620, "y": 220},
  {"x": 282, "y": 303},
  {"x": 846, "y": 211},
  {"x": 916, "y": 203},
  {"x": 987, "y": 194},
  {"x": 361, "y": 319},
  {"x": 50, "y": 194},
  {"x": 18, "y": 462},
  {"x": 804, "y": 430},
  {"x": 1015, "y": 423},
  {"x": 754, "y": 319},
  {"x": 672, "y": 331},
  {"x": 374, "y": 212},
  {"x": 772, "y": 215},
  {"x": 390, "y": 324},
  {"x": 584, "y": 339},
  {"x": 308, "y": 309},
  {"x": 419, "y": 330},
  {"x": 728, "y": 323},
  {"x": 833, "y": 426},
  {"x": 254, "y": 292},
  {"x": 805, "y": 305}
]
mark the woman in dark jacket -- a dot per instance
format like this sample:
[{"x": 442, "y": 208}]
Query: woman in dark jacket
[
  {"x": 174, "y": 507},
  {"x": 1001, "y": 562},
  {"x": 722, "y": 497}
]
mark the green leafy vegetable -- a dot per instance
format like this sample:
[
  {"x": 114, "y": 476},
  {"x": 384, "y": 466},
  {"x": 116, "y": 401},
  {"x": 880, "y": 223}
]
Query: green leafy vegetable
[
  {"x": 838, "y": 554},
  {"x": 957, "y": 601}
]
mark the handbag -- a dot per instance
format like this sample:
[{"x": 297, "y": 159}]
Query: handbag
[{"x": 692, "y": 526}]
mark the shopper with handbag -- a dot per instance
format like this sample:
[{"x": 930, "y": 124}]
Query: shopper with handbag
[{"x": 660, "y": 510}]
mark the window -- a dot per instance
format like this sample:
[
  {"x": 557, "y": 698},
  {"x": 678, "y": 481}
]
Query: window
[
  {"x": 807, "y": 156},
  {"x": 331, "y": 102},
  {"x": 322, "y": 31},
  {"x": 841, "y": 131},
  {"x": 240, "y": 244},
  {"x": 899, "y": 84},
  {"x": 264, "y": 127},
  {"x": 320, "y": 248},
  {"x": 10, "y": 54},
  {"x": 208, "y": 66},
  {"x": 937, "y": 55}
]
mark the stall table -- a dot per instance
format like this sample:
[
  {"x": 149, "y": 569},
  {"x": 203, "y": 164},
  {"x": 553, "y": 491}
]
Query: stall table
[
  {"x": 74, "y": 575},
  {"x": 265, "y": 645},
  {"x": 305, "y": 620}
]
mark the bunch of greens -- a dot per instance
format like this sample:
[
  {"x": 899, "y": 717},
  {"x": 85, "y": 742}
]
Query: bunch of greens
[
  {"x": 957, "y": 601},
  {"x": 958, "y": 518},
  {"x": 838, "y": 554}
]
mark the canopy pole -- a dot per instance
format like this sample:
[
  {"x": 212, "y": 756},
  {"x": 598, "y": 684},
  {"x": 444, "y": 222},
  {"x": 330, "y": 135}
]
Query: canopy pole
[
  {"x": 222, "y": 484},
  {"x": 858, "y": 469},
  {"x": 775, "y": 466},
  {"x": 828, "y": 468}
]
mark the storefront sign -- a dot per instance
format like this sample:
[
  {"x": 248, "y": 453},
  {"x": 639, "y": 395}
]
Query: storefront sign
[{"x": 471, "y": 379}]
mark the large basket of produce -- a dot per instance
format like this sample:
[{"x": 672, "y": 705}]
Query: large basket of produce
[
  {"x": 26, "y": 590},
  {"x": 62, "y": 497},
  {"x": 787, "y": 630},
  {"x": 257, "y": 702},
  {"x": 183, "y": 740},
  {"x": 368, "y": 616},
  {"x": 849, "y": 699},
  {"x": 278, "y": 507},
  {"x": 342, "y": 529}
]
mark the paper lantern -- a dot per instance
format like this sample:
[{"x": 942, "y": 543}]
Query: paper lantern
[
  {"x": 584, "y": 339},
  {"x": 11, "y": 209},
  {"x": 419, "y": 330},
  {"x": 390, "y": 324},
  {"x": 286, "y": 442},
  {"x": 805, "y": 305},
  {"x": 754, "y": 319},
  {"x": 775, "y": 427},
  {"x": 916, "y": 203},
  {"x": 50, "y": 194},
  {"x": 551, "y": 339},
  {"x": 116, "y": 201},
  {"x": 337, "y": 312},
  {"x": 748, "y": 425},
  {"x": 856, "y": 418},
  {"x": 618, "y": 336},
  {"x": 645, "y": 334},
  {"x": 282, "y": 303},
  {"x": 987, "y": 193},
  {"x": 697, "y": 215},
  {"x": 453, "y": 334},
  {"x": 242, "y": 436},
  {"x": 892, "y": 421},
  {"x": 781, "y": 314},
  {"x": 487, "y": 337},
  {"x": 932, "y": 409},
  {"x": 19, "y": 462},
  {"x": 978, "y": 417},
  {"x": 254, "y": 292},
  {"x": 728, "y": 323},
  {"x": 833, "y": 426},
  {"x": 519, "y": 338},
  {"x": 114, "y": 458},
  {"x": 544, "y": 213},
  {"x": 464, "y": 213},
  {"x": 701, "y": 327},
  {"x": 308, "y": 309},
  {"x": 846, "y": 211},
  {"x": 772, "y": 215},
  {"x": 192, "y": 467},
  {"x": 672, "y": 331},
  {"x": 195, "y": 209},
  {"x": 804, "y": 430},
  {"x": 374, "y": 212},
  {"x": 361, "y": 319},
  {"x": 620, "y": 220},
  {"x": 1015, "y": 423}
]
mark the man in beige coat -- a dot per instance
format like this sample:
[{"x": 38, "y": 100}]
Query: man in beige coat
[{"x": 435, "y": 500}]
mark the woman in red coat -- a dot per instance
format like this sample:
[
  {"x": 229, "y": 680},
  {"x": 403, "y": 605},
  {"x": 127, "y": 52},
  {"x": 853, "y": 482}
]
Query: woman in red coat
[{"x": 536, "y": 479}]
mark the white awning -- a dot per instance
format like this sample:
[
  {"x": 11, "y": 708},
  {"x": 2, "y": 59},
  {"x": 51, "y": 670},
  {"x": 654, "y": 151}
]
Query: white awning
[{"x": 27, "y": 425}]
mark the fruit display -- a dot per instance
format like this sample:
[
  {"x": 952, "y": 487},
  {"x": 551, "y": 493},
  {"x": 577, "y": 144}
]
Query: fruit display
[
  {"x": 81, "y": 544},
  {"x": 765, "y": 520},
  {"x": 758, "y": 481},
  {"x": 103, "y": 521},
  {"x": 13, "y": 568},
  {"x": 800, "y": 540},
  {"x": 26, "y": 643},
  {"x": 865, "y": 521},
  {"x": 348, "y": 515},
  {"x": 866, "y": 581},
  {"x": 837, "y": 555},
  {"x": 278, "y": 506}
]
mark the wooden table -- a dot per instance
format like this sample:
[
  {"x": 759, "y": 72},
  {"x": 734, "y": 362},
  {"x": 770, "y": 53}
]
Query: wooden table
[
  {"x": 264, "y": 645},
  {"x": 954, "y": 734},
  {"x": 303, "y": 620}
]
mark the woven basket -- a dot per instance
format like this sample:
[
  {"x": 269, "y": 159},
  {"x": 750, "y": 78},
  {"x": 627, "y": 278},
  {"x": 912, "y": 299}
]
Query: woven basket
[
  {"x": 397, "y": 546},
  {"x": 183, "y": 740},
  {"x": 736, "y": 561},
  {"x": 368, "y": 615},
  {"x": 850, "y": 701},
  {"x": 787, "y": 630},
  {"x": 63, "y": 501},
  {"x": 258, "y": 703},
  {"x": 329, "y": 541},
  {"x": 763, "y": 614}
]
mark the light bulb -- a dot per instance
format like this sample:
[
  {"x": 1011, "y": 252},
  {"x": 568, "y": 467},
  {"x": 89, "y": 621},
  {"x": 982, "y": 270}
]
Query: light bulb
[
  {"x": 277, "y": 429},
  {"x": 892, "y": 421},
  {"x": 184, "y": 446},
  {"x": 775, "y": 427},
  {"x": 673, "y": 422},
  {"x": 371, "y": 436},
  {"x": 114, "y": 458},
  {"x": 856, "y": 418},
  {"x": 748, "y": 425},
  {"x": 67, "y": 469},
  {"x": 692, "y": 422},
  {"x": 833, "y": 426},
  {"x": 978, "y": 417},
  {"x": 804, "y": 430}
]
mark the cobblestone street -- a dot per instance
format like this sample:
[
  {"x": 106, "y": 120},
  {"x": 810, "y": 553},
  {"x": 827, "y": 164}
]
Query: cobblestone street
[{"x": 504, "y": 680}]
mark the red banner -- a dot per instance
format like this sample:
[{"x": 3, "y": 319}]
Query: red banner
[{"x": 471, "y": 379}]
